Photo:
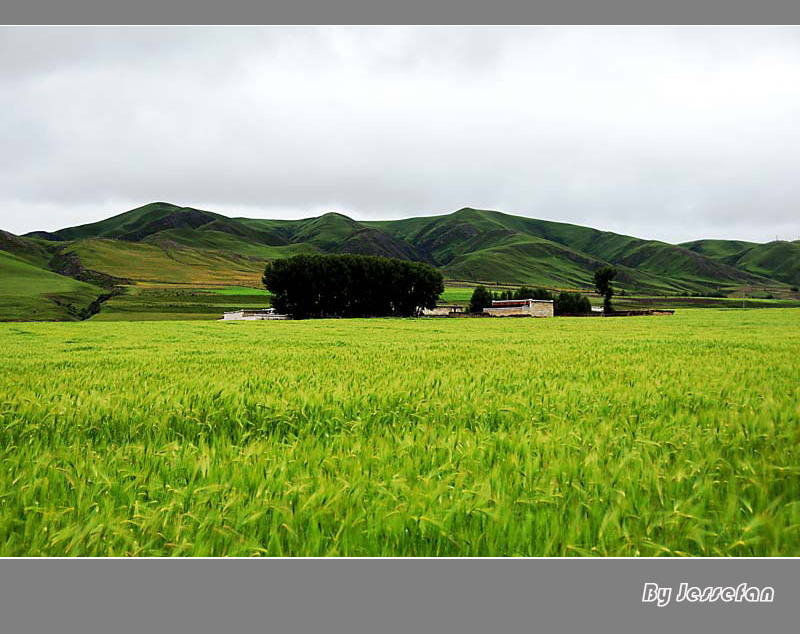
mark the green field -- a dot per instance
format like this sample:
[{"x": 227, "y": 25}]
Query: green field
[
  {"x": 671, "y": 435},
  {"x": 161, "y": 302},
  {"x": 462, "y": 294}
]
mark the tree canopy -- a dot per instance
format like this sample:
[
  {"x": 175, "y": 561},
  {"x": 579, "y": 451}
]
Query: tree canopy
[
  {"x": 481, "y": 298},
  {"x": 571, "y": 304},
  {"x": 602, "y": 280},
  {"x": 307, "y": 286}
]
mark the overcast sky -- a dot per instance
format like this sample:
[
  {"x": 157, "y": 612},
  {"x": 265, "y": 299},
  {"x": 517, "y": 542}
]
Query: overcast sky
[{"x": 668, "y": 133}]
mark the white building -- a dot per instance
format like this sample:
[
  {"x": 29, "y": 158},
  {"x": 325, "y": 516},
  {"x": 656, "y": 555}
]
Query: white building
[
  {"x": 252, "y": 315},
  {"x": 442, "y": 311},
  {"x": 520, "y": 308}
]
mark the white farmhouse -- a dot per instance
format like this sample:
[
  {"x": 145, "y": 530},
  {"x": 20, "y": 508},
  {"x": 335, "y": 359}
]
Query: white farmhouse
[
  {"x": 252, "y": 315},
  {"x": 520, "y": 308}
]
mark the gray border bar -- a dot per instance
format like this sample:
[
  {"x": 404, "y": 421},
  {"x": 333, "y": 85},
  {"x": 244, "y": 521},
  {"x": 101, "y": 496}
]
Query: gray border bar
[
  {"x": 408, "y": 11},
  {"x": 465, "y": 596}
]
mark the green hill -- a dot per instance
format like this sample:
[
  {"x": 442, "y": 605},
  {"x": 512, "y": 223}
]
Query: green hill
[
  {"x": 31, "y": 293},
  {"x": 779, "y": 260},
  {"x": 135, "y": 224},
  {"x": 165, "y": 244},
  {"x": 484, "y": 244},
  {"x": 33, "y": 250}
]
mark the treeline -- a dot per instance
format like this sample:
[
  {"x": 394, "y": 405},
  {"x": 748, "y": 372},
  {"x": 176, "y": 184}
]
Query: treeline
[
  {"x": 306, "y": 286},
  {"x": 564, "y": 303}
]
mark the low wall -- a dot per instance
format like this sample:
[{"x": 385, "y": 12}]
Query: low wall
[{"x": 537, "y": 309}]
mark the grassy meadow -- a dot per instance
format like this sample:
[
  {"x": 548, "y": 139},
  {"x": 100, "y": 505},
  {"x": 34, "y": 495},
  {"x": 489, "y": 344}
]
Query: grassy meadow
[
  {"x": 159, "y": 302},
  {"x": 28, "y": 292},
  {"x": 667, "y": 436}
]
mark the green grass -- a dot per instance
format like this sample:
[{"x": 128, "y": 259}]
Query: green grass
[
  {"x": 152, "y": 314},
  {"x": 458, "y": 294},
  {"x": 31, "y": 293},
  {"x": 642, "y": 436},
  {"x": 237, "y": 290},
  {"x": 168, "y": 263},
  {"x": 146, "y": 303}
]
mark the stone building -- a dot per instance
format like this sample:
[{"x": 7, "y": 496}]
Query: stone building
[{"x": 520, "y": 308}]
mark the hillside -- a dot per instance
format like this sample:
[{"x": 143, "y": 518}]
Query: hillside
[
  {"x": 31, "y": 293},
  {"x": 481, "y": 244},
  {"x": 167, "y": 262},
  {"x": 135, "y": 224},
  {"x": 779, "y": 260},
  {"x": 165, "y": 244}
]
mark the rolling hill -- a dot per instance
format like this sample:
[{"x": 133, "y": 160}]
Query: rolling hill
[
  {"x": 779, "y": 260},
  {"x": 165, "y": 244}
]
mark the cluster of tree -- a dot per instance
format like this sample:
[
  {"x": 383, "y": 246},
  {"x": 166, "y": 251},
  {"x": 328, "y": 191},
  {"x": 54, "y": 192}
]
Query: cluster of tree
[
  {"x": 307, "y": 286},
  {"x": 564, "y": 303},
  {"x": 524, "y": 292},
  {"x": 571, "y": 304}
]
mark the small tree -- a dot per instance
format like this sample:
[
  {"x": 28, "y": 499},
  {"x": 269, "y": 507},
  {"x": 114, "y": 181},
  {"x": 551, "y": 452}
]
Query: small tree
[
  {"x": 602, "y": 280},
  {"x": 571, "y": 304},
  {"x": 524, "y": 292},
  {"x": 481, "y": 298}
]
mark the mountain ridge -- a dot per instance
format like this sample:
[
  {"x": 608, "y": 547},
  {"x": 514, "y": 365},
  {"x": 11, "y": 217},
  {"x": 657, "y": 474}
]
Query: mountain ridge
[{"x": 469, "y": 244}]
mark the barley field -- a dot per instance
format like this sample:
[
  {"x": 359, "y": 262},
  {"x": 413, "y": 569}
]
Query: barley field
[{"x": 566, "y": 437}]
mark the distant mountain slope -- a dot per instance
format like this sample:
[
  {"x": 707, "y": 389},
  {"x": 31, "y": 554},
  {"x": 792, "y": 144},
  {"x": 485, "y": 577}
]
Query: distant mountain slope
[
  {"x": 718, "y": 249},
  {"x": 225, "y": 243},
  {"x": 134, "y": 224},
  {"x": 477, "y": 242},
  {"x": 165, "y": 242},
  {"x": 779, "y": 260}
]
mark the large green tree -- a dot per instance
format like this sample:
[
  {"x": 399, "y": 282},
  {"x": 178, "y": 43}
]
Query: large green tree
[
  {"x": 602, "y": 280},
  {"x": 307, "y": 286},
  {"x": 481, "y": 298}
]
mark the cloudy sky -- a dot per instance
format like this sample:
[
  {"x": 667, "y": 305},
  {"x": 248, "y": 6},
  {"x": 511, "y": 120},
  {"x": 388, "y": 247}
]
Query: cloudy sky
[{"x": 667, "y": 133}]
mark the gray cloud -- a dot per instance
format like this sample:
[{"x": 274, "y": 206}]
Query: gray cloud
[{"x": 670, "y": 133}]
